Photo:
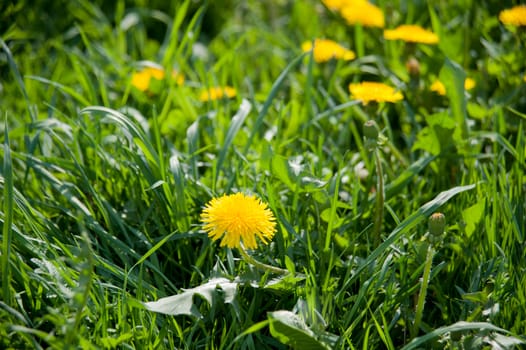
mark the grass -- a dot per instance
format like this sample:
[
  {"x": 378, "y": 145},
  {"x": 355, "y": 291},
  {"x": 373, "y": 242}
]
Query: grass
[{"x": 103, "y": 184}]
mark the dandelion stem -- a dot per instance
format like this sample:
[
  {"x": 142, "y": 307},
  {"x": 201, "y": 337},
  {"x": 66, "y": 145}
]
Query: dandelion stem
[
  {"x": 379, "y": 215},
  {"x": 423, "y": 291},
  {"x": 260, "y": 265}
]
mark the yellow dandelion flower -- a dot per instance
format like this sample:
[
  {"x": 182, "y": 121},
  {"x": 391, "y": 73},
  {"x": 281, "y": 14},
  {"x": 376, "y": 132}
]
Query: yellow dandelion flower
[
  {"x": 364, "y": 13},
  {"x": 440, "y": 89},
  {"x": 336, "y": 5},
  {"x": 515, "y": 16},
  {"x": 368, "y": 91},
  {"x": 217, "y": 93},
  {"x": 141, "y": 80},
  {"x": 411, "y": 33},
  {"x": 325, "y": 50},
  {"x": 238, "y": 219}
]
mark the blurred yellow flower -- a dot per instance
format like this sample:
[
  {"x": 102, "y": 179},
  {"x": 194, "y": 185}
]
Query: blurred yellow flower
[
  {"x": 238, "y": 219},
  {"x": 141, "y": 79},
  {"x": 335, "y": 4},
  {"x": 217, "y": 93},
  {"x": 411, "y": 33},
  {"x": 325, "y": 50},
  {"x": 368, "y": 91},
  {"x": 362, "y": 12},
  {"x": 440, "y": 89},
  {"x": 515, "y": 16}
]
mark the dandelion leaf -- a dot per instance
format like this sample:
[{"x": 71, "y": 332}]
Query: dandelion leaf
[
  {"x": 291, "y": 330},
  {"x": 183, "y": 303},
  {"x": 472, "y": 216}
]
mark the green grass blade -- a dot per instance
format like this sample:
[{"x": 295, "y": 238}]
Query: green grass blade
[
  {"x": 18, "y": 78},
  {"x": 268, "y": 102},
  {"x": 7, "y": 231},
  {"x": 235, "y": 125}
]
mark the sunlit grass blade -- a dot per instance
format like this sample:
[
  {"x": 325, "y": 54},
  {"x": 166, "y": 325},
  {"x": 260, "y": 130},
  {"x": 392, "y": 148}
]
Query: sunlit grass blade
[
  {"x": 7, "y": 231},
  {"x": 268, "y": 102},
  {"x": 235, "y": 125}
]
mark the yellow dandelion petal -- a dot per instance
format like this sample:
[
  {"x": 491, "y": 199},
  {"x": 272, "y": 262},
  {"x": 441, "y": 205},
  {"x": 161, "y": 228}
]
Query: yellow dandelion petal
[
  {"x": 515, "y": 16},
  {"x": 411, "y": 33},
  {"x": 440, "y": 89},
  {"x": 368, "y": 91},
  {"x": 142, "y": 79},
  {"x": 364, "y": 13},
  {"x": 155, "y": 72},
  {"x": 325, "y": 50},
  {"x": 217, "y": 93},
  {"x": 336, "y": 5},
  {"x": 238, "y": 218},
  {"x": 469, "y": 84}
]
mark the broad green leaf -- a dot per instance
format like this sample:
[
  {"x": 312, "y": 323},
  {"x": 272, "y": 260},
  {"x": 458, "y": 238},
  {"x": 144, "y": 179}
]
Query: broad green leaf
[
  {"x": 457, "y": 327},
  {"x": 438, "y": 136},
  {"x": 472, "y": 216},
  {"x": 183, "y": 304},
  {"x": 280, "y": 169},
  {"x": 291, "y": 330}
]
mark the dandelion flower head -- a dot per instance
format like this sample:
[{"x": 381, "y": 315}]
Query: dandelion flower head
[
  {"x": 142, "y": 79},
  {"x": 238, "y": 219},
  {"x": 325, "y": 50},
  {"x": 411, "y": 33},
  {"x": 515, "y": 16},
  {"x": 364, "y": 13},
  {"x": 335, "y": 4},
  {"x": 440, "y": 89},
  {"x": 217, "y": 93},
  {"x": 368, "y": 91}
]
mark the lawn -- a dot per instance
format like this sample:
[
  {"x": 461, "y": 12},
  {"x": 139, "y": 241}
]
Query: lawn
[{"x": 263, "y": 174}]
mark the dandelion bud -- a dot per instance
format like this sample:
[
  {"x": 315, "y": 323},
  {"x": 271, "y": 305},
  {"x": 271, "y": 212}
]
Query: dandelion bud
[
  {"x": 370, "y": 130},
  {"x": 413, "y": 67},
  {"x": 437, "y": 223}
]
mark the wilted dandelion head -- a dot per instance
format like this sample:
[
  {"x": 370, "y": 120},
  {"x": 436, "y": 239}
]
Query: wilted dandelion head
[
  {"x": 440, "y": 89},
  {"x": 362, "y": 12},
  {"x": 368, "y": 91},
  {"x": 515, "y": 16},
  {"x": 217, "y": 93},
  {"x": 238, "y": 219},
  {"x": 411, "y": 33},
  {"x": 325, "y": 50}
]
